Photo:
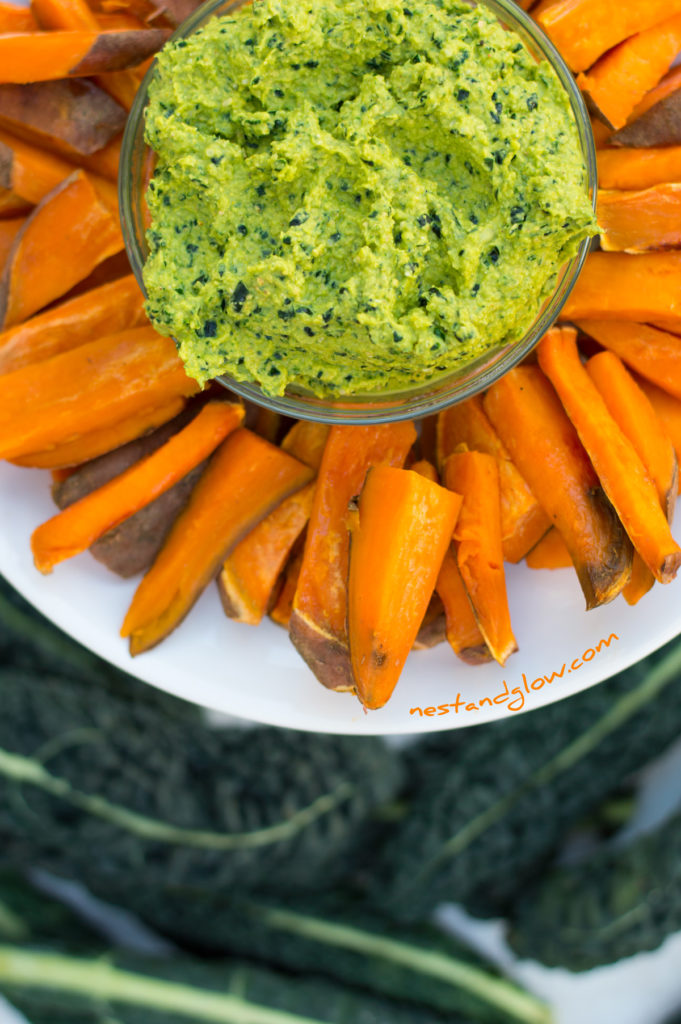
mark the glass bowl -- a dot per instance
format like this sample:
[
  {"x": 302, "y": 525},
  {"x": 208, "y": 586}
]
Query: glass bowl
[{"x": 421, "y": 400}]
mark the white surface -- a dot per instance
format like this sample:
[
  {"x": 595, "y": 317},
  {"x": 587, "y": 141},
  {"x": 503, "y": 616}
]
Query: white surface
[{"x": 255, "y": 673}]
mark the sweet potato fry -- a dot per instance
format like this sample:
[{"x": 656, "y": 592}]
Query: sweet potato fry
[
  {"x": 72, "y": 116},
  {"x": 544, "y": 445},
  {"x": 12, "y": 205},
  {"x": 318, "y": 621},
  {"x": 460, "y": 626},
  {"x": 249, "y": 574},
  {"x": 637, "y": 419},
  {"x": 638, "y": 221},
  {"x": 104, "y": 161},
  {"x": 119, "y": 20},
  {"x": 306, "y": 441},
  {"x": 399, "y": 534},
  {"x": 638, "y": 168},
  {"x": 620, "y": 470},
  {"x": 432, "y": 630},
  {"x": 9, "y": 229},
  {"x": 463, "y": 631},
  {"x": 655, "y": 121},
  {"x": 76, "y": 15},
  {"x": 44, "y": 56},
  {"x": 74, "y": 529},
  {"x": 129, "y": 549},
  {"x": 14, "y": 18},
  {"x": 39, "y": 269},
  {"x": 651, "y": 352},
  {"x": 626, "y": 73},
  {"x": 477, "y": 539},
  {"x": 582, "y": 30},
  {"x": 101, "y": 441},
  {"x": 550, "y": 553},
  {"x": 523, "y": 520},
  {"x": 665, "y": 87},
  {"x": 617, "y": 286},
  {"x": 94, "y": 473},
  {"x": 91, "y": 387},
  {"x": 280, "y": 612},
  {"x": 32, "y": 173},
  {"x": 245, "y": 479},
  {"x": 109, "y": 270},
  {"x": 668, "y": 410},
  {"x": 109, "y": 309}
]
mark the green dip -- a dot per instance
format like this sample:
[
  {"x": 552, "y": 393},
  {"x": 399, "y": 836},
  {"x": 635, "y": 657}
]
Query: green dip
[{"x": 355, "y": 196}]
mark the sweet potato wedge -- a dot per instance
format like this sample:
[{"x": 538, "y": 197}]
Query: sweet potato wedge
[
  {"x": 98, "y": 442},
  {"x": 97, "y": 472},
  {"x": 544, "y": 444},
  {"x": 667, "y": 85},
  {"x": 668, "y": 410},
  {"x": 477, "y": 539},
  {"x": 634, "y": 414},
  {"x": 617, "y": 286},
  {"x": 658, "y": 125},
  {"x": 523, "y": 520},
  {"x": 9, "y": 229},
  {"x": 14, "y": 18},
  {"x": 451, "y": 601},
  {"x": 249, "y": 574},
  {"x": 72, "y": 116},
  {"x": 46, "y": 56},
  {"x": 95, "y": 386},
  {"x": 620, "y": 469},
  {"x": 550, "y": 553},
  {"x": 462, "y": 629},
  {"x": 12, "y": 205},
  {"x": 636, "y": 221},
  {"x": 109, "y": 309},
  {"x": 432, "y": 630},
  {"x": 399, "y": 534},
  {"x": 306, "y": 441},
  {"x": 77, "y": 15},
  {"x": 244, "y": 480},
  {"x": 583, "y": 30},
  {"x": 39, "y": 270},
  {"x": 626, "y": 73},
  {"x": 638, "y": 168},
  {"x": 318, "y": 621},
  {"x": 636, "y": 418},
  {"x": 76, "y": 528},
  {"x": 280, "y": 612},
  {"x": 104, "y": 161},
  {"x": 653, "y": 353},
  {"x": 32, "y": 173},
  {"x": 131, "y": 548}
]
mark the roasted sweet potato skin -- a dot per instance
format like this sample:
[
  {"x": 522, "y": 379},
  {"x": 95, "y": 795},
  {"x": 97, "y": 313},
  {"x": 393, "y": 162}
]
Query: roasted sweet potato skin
[
  {"x": 131, "y": 547},
  {"x": 71, "y": 116}
]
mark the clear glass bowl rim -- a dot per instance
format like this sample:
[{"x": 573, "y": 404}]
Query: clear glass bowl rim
[{"x": 426, "y": 399}]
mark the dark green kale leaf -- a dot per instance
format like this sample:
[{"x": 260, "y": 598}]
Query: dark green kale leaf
[
  {"x": 489, "y": 805},
  {"x": 619, "y": 902},
  {"x": 110, "y": 791},
  {"x": 334, "y": 934}
]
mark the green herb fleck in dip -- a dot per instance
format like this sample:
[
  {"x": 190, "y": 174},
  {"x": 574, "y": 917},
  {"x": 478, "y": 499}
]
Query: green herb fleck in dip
[{"x": 355, "y": 196}]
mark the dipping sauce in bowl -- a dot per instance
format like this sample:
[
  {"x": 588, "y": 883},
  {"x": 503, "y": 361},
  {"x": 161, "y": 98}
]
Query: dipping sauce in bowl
[{"x": 358, "y": 197}]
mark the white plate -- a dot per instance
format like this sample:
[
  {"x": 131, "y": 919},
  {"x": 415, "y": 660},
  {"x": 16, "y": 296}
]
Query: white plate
[{"x": 256, "y": 674}]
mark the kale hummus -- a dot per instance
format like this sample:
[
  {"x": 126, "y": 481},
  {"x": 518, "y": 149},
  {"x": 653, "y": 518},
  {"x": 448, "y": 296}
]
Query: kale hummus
[{"x": 355, "y": 196}]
